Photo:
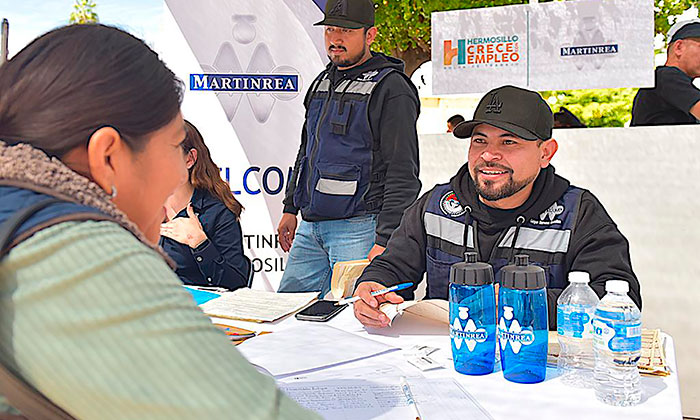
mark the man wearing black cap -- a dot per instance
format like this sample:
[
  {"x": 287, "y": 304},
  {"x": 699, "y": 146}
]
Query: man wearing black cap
[
  {"x": 506, "y": 200},
  {"x": 357, "y": 167},
  {"x": 674, "y": 98}
]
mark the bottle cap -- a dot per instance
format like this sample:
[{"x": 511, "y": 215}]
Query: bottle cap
[
  {"x": 617, "y": 286},
  {"x": 522, "y": 276},
  {"x": 579, "y": 277},
  {"x": 470, "y": 272}
]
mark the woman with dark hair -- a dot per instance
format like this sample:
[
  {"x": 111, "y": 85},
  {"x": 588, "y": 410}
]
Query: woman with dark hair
[
  {"x": 93, "y": 322},
  {"x": 202, "y": 234}
]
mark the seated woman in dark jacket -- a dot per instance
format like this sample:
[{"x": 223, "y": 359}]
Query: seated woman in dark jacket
[{"x": 202, "y": 233}]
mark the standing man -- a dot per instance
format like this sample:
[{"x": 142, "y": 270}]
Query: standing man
[
  {"x": 506, "y": 200},
  {"x": 357, "y": 167},
  {"x": 674, "y": 98}
]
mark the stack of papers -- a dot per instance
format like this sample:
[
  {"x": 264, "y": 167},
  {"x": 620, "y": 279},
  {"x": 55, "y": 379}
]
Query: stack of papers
[{"x": 257, "y": 305}]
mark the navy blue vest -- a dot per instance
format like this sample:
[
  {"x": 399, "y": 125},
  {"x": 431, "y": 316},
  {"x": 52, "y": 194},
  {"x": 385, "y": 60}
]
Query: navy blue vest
[
  {"x": 336, "y": 170},
  {"x": 13, "y": 199},
  {"x": 451, "y": 231}
]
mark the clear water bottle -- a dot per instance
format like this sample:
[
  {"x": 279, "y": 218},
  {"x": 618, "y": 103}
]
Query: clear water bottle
[
  {"x": 575, "y": 310},
  {"x": 523, "y": 326},
  {"x": 617, "y": 344},
  {"x": 472, "y": 316}
]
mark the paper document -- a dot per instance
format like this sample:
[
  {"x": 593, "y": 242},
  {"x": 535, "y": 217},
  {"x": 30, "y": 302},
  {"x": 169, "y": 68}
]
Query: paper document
[
  {"x": 357, "y": 399},
  {"x": 345, "y": 274},
  {"x": 307, "y": 348},
  {"x": 434, "y": 310},
  {"x": 257, "y": 305}
]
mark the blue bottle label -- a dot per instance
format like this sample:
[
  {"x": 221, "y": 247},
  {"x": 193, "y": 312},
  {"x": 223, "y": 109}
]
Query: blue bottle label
[
  {"x": 575, "y": 321},
  {"x": 513, "y": 335},
  {"x": 617, "y": 338},
  {"x": 464, "y": 331}
]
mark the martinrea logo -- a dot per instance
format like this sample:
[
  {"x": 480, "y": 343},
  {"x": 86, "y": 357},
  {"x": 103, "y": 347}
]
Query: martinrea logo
[
  {"x": 489, "y": 50},
  {"x": 258, "y": 83}
]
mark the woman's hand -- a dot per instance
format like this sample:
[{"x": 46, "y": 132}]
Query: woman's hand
[{"x": 186, "y": 230}]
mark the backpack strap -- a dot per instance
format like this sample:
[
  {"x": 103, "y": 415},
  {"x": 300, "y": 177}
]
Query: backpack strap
[{"x": 22, "y": 396}]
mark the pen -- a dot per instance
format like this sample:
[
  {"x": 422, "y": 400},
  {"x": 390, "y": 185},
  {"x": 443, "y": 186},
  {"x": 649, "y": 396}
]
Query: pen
[
  {"x": 409, "y": 396},
  {"x": 375, "y": 293}
]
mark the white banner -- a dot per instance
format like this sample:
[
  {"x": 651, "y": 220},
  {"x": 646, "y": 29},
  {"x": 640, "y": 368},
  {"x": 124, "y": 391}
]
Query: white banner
[
  {"x": 586, "y": 44},
  {"x": 247, "y": 65}
]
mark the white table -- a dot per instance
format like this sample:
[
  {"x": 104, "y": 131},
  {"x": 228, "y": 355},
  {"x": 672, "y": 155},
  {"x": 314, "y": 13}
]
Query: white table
[{"x": 502, "y": 399}]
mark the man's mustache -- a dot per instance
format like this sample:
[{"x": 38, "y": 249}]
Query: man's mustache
[{"x": 337, "y": 46}]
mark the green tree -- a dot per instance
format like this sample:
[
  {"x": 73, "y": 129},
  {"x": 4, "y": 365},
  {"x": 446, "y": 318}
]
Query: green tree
[
  {"x": 84, "y": 12},
  {"x": 666, "y": 13},
  {"x": 595, "y": 107}
]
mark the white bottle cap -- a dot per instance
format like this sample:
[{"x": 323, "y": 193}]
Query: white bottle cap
[
  {"x": 617, "y": 286},
  {"x": 579, "y": 277}
]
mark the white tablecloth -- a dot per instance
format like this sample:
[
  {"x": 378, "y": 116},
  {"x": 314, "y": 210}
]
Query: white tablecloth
[{"x": 502, "y": 399}]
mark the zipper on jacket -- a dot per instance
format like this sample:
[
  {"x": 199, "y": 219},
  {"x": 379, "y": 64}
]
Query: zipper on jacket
[
  {"x": 520, "y": 220},
  {"x": 518, "y": 223}
]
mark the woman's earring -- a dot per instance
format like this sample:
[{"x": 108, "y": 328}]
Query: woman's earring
[{"x": 114, "y": 192}]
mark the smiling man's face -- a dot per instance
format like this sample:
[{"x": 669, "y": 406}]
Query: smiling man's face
[{"x": 504, "y": 166}]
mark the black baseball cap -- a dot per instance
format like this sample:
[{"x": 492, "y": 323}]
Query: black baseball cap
[
  {"x": 516, "y": 110},
  {"x": 684, "y": 29},
  {"x": 351, "y": 14}
]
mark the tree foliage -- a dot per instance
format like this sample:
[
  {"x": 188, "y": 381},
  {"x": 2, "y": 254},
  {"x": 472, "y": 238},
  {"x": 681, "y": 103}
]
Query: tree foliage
[
  {"x": 666, "y": 13},
  {"x": 595, "y": 107},
  {"x": 84, "y": 12}
]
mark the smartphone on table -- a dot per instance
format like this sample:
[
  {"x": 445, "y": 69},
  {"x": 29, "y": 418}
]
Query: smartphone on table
[{"x": 320, "y": 311}]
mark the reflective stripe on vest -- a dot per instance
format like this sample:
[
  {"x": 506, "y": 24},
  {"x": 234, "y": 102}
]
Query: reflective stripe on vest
[
  {"x": 449, "y": 230},
  {"x": 547, "y": 240},
  {"x": 355, "y": 86}
]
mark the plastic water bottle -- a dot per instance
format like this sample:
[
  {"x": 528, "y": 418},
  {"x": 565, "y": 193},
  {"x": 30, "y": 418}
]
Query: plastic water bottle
[
  {"x": 523, "y": 326},
  {"x": 617, "y": 344},
  {"x": 472, "y": 316},
  {"x": 575, "y": 310}
]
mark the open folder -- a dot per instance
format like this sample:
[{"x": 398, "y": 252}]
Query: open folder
[{"x": 257, "y": 305}]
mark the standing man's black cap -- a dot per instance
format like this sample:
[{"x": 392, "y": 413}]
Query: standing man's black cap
[
  {"x": 519, "y": 111},
  {"x": 351, "y": 14}
]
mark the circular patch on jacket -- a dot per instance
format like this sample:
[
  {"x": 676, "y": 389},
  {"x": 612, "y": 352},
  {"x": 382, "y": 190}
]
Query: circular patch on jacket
[{"x": 450, "y": 205}]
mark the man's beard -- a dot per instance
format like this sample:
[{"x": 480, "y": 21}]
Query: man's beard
[
  {"x": 490, "y": 192},
  {"x": 349, "y": 61}
]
